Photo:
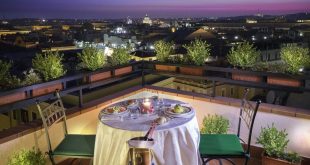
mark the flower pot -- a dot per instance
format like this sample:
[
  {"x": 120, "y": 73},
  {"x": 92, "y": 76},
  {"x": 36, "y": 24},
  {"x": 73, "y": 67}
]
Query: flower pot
[
  {"x": 285, "y": 81},
  {"x": 167, "y": 68},
  {"x": 272, "y": 161},
  {"x": 246, "y": 77},
  {"x": 46, "y": 89},
  {"x": 122, "y": 71},
  {"x": 195, "y": 71},
  {"x": 11, "y": 98},
  {"x": 99, "y": 76}
]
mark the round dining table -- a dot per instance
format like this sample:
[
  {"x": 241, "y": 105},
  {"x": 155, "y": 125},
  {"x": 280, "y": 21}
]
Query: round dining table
[{"x": 175, "y": 141}]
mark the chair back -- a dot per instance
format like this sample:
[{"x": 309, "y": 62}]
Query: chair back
[
  {"x": 52, "y": 114},
  {"x": 247, "y": 116}
]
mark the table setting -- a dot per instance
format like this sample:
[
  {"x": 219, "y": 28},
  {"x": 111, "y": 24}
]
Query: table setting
[{"x": 168, "y": 127}]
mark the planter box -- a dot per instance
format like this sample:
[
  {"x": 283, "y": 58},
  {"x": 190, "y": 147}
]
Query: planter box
[
  {"x": 10, "y": 98},
  {"x": 122, "y": 71},
  {"x": 272, "y": 161},
  {"x": 46, "y": 89},
  {"x": 246, "y": 77},
  {"x": 99, "y": 76},
  {"x": 283, "y": 81},
  {"x": 191, "y": 71},
  {"x": 167, "y": 68}
]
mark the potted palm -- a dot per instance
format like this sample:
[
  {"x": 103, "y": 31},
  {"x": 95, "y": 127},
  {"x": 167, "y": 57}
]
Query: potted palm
[
  {"x": 214, "y": 124},
  {"x": 92, "y": 60},
  {"x": 294, "y": 59},
  {"x": 275, "y": 143},
  {"x": 121, "y": 57},
  {"x": 49, "y": 65},
  {"x": 163, "y": 51},
  {"x": 197, "y": 53},
  {"x": 28, "y": 157},
  {"x": 244, "y": 56}
]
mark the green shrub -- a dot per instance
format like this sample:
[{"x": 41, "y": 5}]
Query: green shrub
[
  {"x": 292, "y": 157},
  {"x": 4, "y": 70},
  {"x": 27, "y": 157},
  {"x": 215, "y": 124},
  {"x": 197, "y": 52},
  {"x": 120, "y": 56},
  {"x": 243, "y": 55},
  {"x": 273, "y": 141},
  {"x": 31, "y": 77},
  {"x": 49, "y": 65},
  {"x": 6, "y": 79},
  {"x": 163, "y": 50},
  {"x": 295, "y": 58},
  {"x": 92, "y": 58}
]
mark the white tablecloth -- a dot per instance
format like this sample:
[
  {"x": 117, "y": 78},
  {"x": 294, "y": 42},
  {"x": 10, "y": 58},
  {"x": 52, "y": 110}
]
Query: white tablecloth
[{"x": 176, "y": 142}]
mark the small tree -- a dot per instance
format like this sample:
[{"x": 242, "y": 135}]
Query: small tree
[
  {"x": 120, "y": 56},
  {"x": 243, "y": 55},
  {"x": 163, "y": 50},
  {"x": 215, "y": 124},
  {"x": 295, "y": 57},
  {"x": 92, "y": 58},
  {"x": 4, "y": 70},
  {"x": 273, "y": 141},
  {"x": 49, "y": 65},
  {"x": 197, "y": 52}
]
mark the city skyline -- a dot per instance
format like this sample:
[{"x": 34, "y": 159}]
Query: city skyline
[{"x": 165, "y": 9}]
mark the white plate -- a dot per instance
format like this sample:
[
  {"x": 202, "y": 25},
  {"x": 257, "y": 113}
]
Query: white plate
[
  {"x": 105, "y": 111},
  {"x": 187, "y": 111}
]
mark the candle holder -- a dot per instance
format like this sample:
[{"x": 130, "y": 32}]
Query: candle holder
[{"x": 147, "y": 106}]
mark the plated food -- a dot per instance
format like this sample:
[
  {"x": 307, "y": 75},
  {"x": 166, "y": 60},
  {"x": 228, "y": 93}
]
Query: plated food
[
  {"x": 178, "y": 111},
  {"x": 115, "y": 109}
]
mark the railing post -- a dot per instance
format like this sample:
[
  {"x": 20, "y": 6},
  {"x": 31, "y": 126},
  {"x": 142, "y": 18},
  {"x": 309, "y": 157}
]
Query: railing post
[
  {"x": 213, "y": 88},
  {"x": 80, "y": 97},
  {"x": 143, "y": 78}
]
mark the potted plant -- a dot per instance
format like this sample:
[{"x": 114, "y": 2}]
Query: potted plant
[
  {"x": 214, "y": 124},
  {"x": 94, "y": 59},
  {"x": 28, "y": 157},
  {"x": 119, "y": 57},
  {"x": 49, "y": 65},
  {"x": 163, "y": 51},
  {"x": 9, "y": 81},
  {"x": 294, "y": 59},
  {"x": 197, "y": 53},
  {"x": 275, "y": 143},
  {"x": 244, "y": 56}
]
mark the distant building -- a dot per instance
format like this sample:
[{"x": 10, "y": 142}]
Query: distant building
[
  {"x": 147, "y": 20},
  {"x": 251, "y": 21},
  {"x": 129, "y": 21}
]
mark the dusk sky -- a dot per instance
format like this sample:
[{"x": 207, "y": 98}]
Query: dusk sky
[{"x": 138, "y": 8}]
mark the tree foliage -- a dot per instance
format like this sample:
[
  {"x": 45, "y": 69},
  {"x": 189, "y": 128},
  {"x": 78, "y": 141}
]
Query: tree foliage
[
  {"x": 27, "y": 157},
  {"x": 49, "y": 64},
  {"x": 215, "y": 124},
  {"x": 120, "y": 56},
  {"x": 243, "y": 55},
  {"x": 92, "y": 58},
  {"x": 295, "y": 58},
  {"x": 197, "y": 52},
  {"x": 273, "y": 141},
  {"x": 163, "y": 50}
]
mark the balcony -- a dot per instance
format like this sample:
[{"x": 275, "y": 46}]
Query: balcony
[{"x": 84, "y": 101}]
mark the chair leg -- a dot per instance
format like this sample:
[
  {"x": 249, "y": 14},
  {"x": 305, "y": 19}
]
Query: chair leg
[
  {"x": 246, "y": 161},
  {"x": 51, "y": 158}
]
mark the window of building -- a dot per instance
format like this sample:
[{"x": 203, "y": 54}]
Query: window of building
[{"x": 231, "y": 91}]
